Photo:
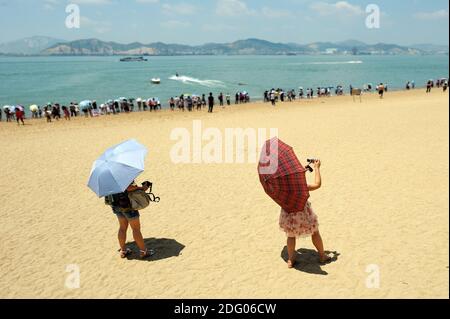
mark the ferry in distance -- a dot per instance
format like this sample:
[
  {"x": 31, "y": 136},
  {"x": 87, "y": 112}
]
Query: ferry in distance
[{"x": 133, "y": 59}]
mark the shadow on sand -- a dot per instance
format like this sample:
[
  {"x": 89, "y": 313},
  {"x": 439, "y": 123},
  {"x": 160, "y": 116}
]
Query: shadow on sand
[
  {"x": 164, "y": 248},
  {"x": 308, "y": 260}
]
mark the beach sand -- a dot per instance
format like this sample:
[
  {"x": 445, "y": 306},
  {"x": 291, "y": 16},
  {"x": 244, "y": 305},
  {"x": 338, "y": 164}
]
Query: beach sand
[{"x": 383, "y": 206}]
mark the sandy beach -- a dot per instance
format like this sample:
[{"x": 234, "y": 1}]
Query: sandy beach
[{"x": 383, "y": 206}]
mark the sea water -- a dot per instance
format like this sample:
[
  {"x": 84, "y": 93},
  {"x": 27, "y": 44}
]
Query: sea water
[{"x": 40, "y": 80}]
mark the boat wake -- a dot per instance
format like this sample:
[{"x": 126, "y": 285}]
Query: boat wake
[
  {"x": 188, "y": 80},
  {"x": 330, "y": 63}
]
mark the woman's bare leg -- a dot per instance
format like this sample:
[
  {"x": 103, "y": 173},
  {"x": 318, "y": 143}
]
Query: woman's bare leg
[
  {"x": 137, "y": 235},
  {"x": 122, "y": 235},
  {"x": 291, "y": 241},
  {"x": 318, "y": 243}
]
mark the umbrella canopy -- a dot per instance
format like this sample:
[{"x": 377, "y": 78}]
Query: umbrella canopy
[
  {"x": 85, "y": 104},
  {"x": 7, "y": 107},
  {"x": 34, "y": 108},
  {"x": 282, "y": 176},
  {"x": 123, "y": 99},
  {"x": 117, "y": 168}
]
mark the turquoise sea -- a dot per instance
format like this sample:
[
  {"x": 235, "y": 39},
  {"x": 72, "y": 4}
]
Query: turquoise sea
[{"x": 39, "y": 80}]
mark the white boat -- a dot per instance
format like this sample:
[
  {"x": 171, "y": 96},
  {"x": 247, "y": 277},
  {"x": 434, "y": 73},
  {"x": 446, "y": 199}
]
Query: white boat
[{"x": 156, "y": 81}]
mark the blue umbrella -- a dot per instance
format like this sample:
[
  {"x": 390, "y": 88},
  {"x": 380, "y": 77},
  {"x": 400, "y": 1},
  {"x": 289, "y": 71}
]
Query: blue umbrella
[
  {"x": 85, "y": 104},
  {"x": 117, "y": 168}
]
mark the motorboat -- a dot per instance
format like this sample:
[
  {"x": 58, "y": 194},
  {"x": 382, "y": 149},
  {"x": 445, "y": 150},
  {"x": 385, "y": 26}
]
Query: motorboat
[
  {"x": 156, "y": 81},
  {"x": 133, "y": 59}
]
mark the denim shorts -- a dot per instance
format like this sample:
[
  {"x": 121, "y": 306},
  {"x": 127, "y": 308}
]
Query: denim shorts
[{"x": 129, "y": 216}]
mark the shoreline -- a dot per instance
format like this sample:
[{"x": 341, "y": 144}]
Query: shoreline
[{"x": 254, "y": 102}]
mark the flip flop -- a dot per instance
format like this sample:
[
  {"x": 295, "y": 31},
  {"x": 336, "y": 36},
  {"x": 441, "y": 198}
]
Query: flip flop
[
  {"x": 327, "y": 260},
  {"x": 147, "y": 253},
  {"x": 125, "y": 253}
]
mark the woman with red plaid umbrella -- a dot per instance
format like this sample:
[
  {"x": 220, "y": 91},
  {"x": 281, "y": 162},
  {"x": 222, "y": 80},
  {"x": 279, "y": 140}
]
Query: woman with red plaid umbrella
[
  {"x": 304, "y": 224},
  {"x": 283, "y": 178}
]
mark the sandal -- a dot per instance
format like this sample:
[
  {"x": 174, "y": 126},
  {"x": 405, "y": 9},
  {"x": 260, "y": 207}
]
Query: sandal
[
  {"x": 125, "y": 253},
  {"x": 326, "y": 260},
  {"x": 147, "y": 253}
]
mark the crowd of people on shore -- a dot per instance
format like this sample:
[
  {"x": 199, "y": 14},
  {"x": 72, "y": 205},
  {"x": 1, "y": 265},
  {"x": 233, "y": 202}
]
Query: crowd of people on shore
[
  {"x": 56, "y": 111},
  {"x": 441, "y": 83},
  {"x": 275, "y": 95},
  {"x": 185, "y": 102}
]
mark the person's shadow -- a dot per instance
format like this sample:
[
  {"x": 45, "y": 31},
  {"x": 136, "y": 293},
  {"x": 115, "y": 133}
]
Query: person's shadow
[
  {"x": 164, "y": 248},
  {"x": 308, "y": 260}
]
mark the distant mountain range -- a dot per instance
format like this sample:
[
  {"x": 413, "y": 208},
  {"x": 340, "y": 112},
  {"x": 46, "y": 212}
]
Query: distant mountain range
[
  {"x": 28, "y": 46},
  {"x": 94, "y": 47},
  {"x": 431, "y": 48}
]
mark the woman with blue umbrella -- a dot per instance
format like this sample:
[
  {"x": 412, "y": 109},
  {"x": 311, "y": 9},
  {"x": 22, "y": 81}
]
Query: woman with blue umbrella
[
  {"x": 112, "y": 177},
  {"x": 86, "y": 106}
]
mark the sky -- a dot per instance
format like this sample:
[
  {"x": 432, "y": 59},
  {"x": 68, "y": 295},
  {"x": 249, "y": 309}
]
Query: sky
[{"x": 402, "y": 22}]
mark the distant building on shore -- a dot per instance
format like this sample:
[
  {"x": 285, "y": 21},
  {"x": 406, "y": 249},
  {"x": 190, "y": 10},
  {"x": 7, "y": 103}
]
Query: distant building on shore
[{"x": 331, "y": 51}]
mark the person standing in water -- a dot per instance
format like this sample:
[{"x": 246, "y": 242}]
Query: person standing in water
[
  {"x": 20, "y": 115},
  {"x": 221, "y": 99},
  {"x": 381, "y": 90},
  {"x": 66, "y": 113},
  {"x": 304, "y": 224},
  {"x": 210, "y": 103},
  {"x": 272, "y": 97}
]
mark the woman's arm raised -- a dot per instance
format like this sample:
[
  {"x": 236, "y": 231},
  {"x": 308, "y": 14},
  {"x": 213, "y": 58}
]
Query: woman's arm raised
[{"x": 318, "y": 178}]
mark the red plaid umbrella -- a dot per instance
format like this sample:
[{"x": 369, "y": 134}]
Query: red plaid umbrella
[{"x": 282, "y": 176}]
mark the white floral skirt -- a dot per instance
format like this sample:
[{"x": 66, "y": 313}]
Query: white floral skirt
[{"x": 301, "y": 224}]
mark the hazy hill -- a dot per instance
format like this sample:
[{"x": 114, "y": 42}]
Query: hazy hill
[
  {"x": 28, "y": 46},
  {"x": 50, "y": 46},
  {"x": 241, "y": 47}
]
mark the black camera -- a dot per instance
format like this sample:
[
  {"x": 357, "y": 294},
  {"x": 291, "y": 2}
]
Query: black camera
[
  {"x": 148, "y": 184},
  {"x": 152, "y": 196},
  {"x": 309, "y": 168}
]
